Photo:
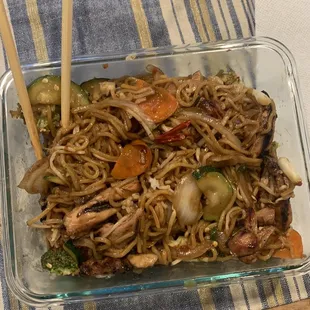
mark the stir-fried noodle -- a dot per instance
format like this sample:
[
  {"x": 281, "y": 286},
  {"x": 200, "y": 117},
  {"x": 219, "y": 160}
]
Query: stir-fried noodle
[{"x": 178, "y": 168}]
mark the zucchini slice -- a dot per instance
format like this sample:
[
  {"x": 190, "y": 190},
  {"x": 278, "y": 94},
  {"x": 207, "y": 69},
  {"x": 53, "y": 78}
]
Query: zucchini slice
[
  {"x": 203, "y": 170},
  {"x": 92, "y": 87},
  {"x": 47, "y": 90},
  {"x": 217, "y": 190}
]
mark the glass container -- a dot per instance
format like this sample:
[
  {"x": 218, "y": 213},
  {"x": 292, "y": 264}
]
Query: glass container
[{"x": 260, "y": 62}]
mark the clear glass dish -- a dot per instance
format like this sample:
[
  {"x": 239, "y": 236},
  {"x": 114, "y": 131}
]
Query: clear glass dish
[{"x": 261, "y": 62}]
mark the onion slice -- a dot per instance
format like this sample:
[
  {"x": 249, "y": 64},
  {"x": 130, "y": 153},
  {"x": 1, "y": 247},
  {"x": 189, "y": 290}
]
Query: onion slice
[
  {"x": 131, "y": 108},
  {"x": 187, "y": 201},
  {"x": 198, "y": 114},
  {"x": 288, "y": 169},
  {"x": 260, "y": 97},
  {"x": 136, "y": 112},
  {"x": 33, "y": 182}
]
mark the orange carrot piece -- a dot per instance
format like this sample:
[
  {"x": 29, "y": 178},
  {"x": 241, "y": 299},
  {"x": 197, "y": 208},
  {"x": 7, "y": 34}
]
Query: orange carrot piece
[
  {"x": 296, "y": 247},
  {"x": 159, "y": 106},
  {"x": 134, "y": 160}
]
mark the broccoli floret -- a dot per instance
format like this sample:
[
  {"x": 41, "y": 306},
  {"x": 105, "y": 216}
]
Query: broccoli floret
[{"x": 60, "y": 262}]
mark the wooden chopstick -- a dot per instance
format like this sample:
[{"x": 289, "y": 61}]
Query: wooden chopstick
[
  {"x": 66, "y": 55},
  {"x": 14, "y": 62}
]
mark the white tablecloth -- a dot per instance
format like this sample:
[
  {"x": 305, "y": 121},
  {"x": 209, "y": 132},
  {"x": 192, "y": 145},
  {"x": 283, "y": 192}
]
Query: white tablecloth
[{"x": 289, "y": 22}]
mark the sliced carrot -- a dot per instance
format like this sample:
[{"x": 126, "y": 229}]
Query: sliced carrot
[
  {"x": 159, "y": 106},
  {"x": 295, "y": 249},
  {"x": 135, "y": 159}
]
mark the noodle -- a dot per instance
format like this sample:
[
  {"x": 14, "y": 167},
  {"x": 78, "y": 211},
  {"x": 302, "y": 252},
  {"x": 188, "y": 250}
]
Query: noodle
[
  {"x": 114, "y": 174},
  {"x": 42, "y": 214},
  {"x": 229, "y": 206}
]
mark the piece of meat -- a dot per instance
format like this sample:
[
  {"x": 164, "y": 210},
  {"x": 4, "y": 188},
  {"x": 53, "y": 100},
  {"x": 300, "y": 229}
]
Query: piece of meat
[
  {"x": 222, "y": 239},
  {"x": 281, "y": 180},
  {"x": 265, "y": 116},
  {"x": 211, "y": 107},
  {"x": 84, "y": 218},
  {"x": 185, "y": 252},
  {"x": 261, "y": 144},
  {"x": 142, "y": 260},
  {"x": 106, "y": 266},
  {"x": 243, "y": 243},
  {"x": 272, "y": 166},
  {"x": 263, "y": 237},
  {"x": 266, "y": 216},
  {"x": 125, "y": 225},
  {"x": 82, "y": 200},
  {"x": 283, "y": 214},
  {"x": 111, "y": 192},
  {"x": 246, "y": 243},
  {"x": 251, "y": 221},
  {"x": 264, "y": 234}
]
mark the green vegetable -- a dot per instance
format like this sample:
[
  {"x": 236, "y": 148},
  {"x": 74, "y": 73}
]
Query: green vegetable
[
  {"x": 73, "y": 251},
  {"x": 60, "y": 262},
  {"x": 47, "y": 90},
  {"x": 275, "y": 144},
  {"x": 273, "y": 149},
  {"x": 92, "y": 87},
  {"x": 54, "y": 179},
  {"x": 203, "y": 170},
  {"x": 217, "y": 190},
  {"x": 213, "y": 234}
]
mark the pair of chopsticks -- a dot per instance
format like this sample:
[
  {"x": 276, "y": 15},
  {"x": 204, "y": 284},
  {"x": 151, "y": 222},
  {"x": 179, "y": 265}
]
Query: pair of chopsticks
[{"x": 66, "y": 54}]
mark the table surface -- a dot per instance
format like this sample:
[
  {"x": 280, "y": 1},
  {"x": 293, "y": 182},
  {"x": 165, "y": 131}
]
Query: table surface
[{"x": 300, "y": 305}]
